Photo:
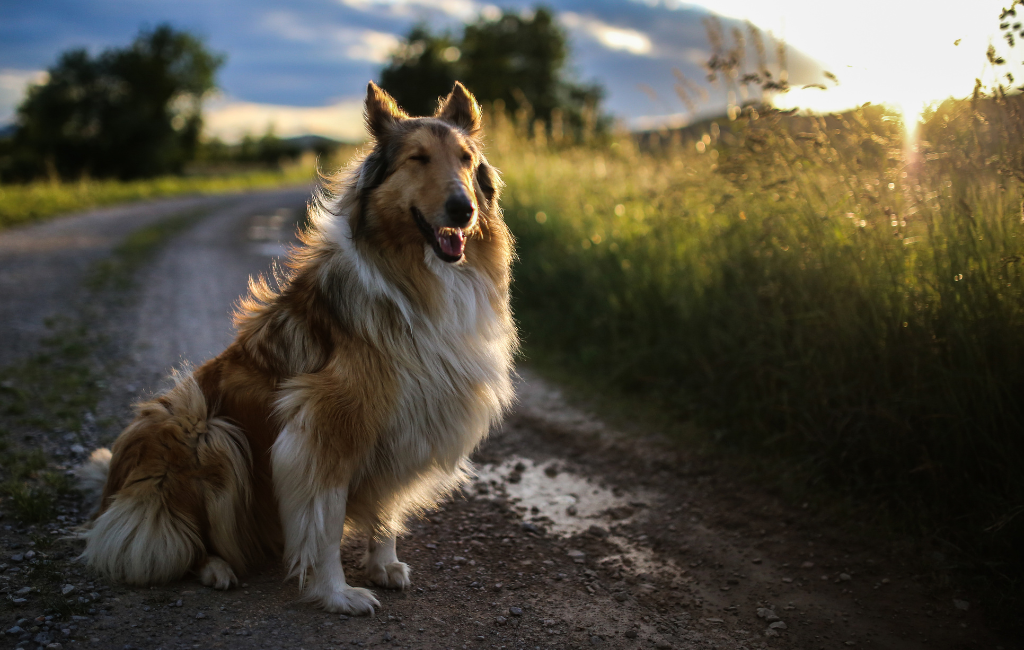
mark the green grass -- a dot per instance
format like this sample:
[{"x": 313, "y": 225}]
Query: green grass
[
  {"x": 795, "y": 287},
  {"x": 21, "y": 204}
]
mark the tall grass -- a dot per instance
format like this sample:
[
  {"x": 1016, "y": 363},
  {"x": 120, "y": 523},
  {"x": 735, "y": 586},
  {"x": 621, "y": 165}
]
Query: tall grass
[{"x": 801, "y": 288}]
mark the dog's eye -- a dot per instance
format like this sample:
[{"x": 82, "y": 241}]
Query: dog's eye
[
  {"x": 422, "y": 158},
  {"x": 467, "y": 157}
]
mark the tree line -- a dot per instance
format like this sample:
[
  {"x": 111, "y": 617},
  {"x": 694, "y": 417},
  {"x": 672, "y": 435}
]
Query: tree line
[{"x": 136, "y": 111}]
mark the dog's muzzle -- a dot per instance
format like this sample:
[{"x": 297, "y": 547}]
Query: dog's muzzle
[{"x": 449, "y": 243}]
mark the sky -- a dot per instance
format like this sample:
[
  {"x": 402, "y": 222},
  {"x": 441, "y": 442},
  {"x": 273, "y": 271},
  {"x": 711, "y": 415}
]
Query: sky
[{"x": 303, "y": 65}]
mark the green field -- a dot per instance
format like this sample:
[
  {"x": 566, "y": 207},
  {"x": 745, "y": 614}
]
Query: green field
[
  {"x": 24, "y": 203},
  {"x": 852, "y": 322}
]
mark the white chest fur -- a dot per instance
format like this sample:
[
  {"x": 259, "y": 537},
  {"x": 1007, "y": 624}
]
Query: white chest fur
[
  {"x": 455, "y": 382},
  {"x": 453, "y": 369}
]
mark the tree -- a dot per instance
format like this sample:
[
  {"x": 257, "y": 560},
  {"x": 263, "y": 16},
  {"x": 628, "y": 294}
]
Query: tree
[
  {"x": 423, "y": 68},
  {"x": 518, "y": 59},
  {"x": 128, "y": 113}
]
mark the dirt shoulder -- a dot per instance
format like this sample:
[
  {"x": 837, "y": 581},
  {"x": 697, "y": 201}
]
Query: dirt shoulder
[{"x": 574, "y": 535}]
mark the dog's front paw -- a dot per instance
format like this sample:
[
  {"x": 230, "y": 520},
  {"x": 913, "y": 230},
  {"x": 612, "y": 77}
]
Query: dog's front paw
[
  {"x": 217, "y": 573},
  {"x": 394, "y": 575},
  {"x": 354, "y": 601}
]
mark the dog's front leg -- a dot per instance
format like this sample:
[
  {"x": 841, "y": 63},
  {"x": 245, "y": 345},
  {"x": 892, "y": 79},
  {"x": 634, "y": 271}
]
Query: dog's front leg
[
  {"x": 382, "y": 565},
  {"x": 313, "y": 518}
]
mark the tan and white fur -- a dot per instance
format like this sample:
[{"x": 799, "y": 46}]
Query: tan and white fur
[{"x": 354, "y": 391}]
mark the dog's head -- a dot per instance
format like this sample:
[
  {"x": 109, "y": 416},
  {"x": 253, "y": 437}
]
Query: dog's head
[{"x": 426, "y": 180}]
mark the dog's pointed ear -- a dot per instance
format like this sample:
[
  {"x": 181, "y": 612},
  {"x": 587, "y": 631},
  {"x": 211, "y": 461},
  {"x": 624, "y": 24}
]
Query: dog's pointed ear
[
  {"x": 460, "y": 108},
  {"x": 382, "y": 113}
]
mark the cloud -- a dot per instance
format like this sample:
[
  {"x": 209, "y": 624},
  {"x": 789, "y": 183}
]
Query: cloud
[
  {"x": 231, "y": 120},
  {"x": 344, "y": 42},
  {"x": 13, "y": 86},
  {"x": 461, "y": 9},
  {"x": 611, "y": 37}
]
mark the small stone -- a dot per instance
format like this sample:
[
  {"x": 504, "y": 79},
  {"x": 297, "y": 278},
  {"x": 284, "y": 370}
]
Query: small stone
[
  {"x": 201, "y": 615},
  {"x": 78, "y": 449},
  {"x": 845, "y": 577},
  {"x": 576, "y": 554},
  {"x": 530, "y": 528},
  {"x": 756, "y": 560},
  {"x": 770, "y": 632},
  {"x": 29, "y": 555},
  {"x": 767, "y": 614},
  {"x": 551, "y": 471},
  {"x": 597, "y": 531},
  {"x": 15, "y": 630},
  {"x": 778, "y": 625},
  {"x": 178, "y": 604},
  {"x": 514, "y": 477},
  {"x": 596, "y": 640},
  {"x": 17, "y": 557},
  {"x": 571, "y": 511},
  {"x": 500, "y": 620},
  {"x": 807, "y": 565},
  {"x": 387, "y": 636},
  {"x": 515, "y": 611},
  {"x": 67, "y": 589},
  {"x": 28, "y": 590},
  {"x": 342, "y": 617},
  {"x": 631, "y": 634},
  {"x": 54, "y": 646},
  {"x": 621, "y": 596},
  {"x": 520, "y": 467},
  {"x": 458, "y": 559},
  {"x": 662, "y": 644}
]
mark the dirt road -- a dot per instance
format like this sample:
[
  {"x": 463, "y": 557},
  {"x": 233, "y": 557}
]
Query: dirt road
[{"x": 574, "y": 535}]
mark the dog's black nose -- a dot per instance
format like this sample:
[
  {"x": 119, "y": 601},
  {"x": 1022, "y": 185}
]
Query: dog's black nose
[{"x": 459, "y": 209}]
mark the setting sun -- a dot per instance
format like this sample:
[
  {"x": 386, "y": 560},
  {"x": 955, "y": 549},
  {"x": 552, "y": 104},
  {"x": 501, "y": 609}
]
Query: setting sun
[{"x": 900, "y": 53}]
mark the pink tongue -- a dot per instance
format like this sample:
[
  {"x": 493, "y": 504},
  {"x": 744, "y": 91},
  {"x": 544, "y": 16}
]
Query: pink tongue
[{"x": 451, "y": 244}]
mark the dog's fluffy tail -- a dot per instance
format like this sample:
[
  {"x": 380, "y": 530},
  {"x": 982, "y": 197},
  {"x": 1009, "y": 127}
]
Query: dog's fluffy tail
[
  {"x": 92, "y": 476},
  {"x": 177, "y": 480}
]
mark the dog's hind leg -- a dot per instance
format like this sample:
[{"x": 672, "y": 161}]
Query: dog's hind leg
[
  {"x": 217, "y": 574},
  {"x": 382, "y": 565},
  {"x": 176, "y": 480},
  {"x": 313, "y": 517}
]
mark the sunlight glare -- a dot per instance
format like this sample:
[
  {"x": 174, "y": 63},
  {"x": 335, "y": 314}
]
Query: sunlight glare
[{"x": 904, "y": 54}]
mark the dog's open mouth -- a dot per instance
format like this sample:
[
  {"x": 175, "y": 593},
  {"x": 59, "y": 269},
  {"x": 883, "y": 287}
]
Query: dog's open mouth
[{"x": 448, "y": 243}]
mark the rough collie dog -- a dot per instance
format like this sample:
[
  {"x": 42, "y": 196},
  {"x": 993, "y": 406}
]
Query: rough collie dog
[{"x": 353, "y": 392}]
